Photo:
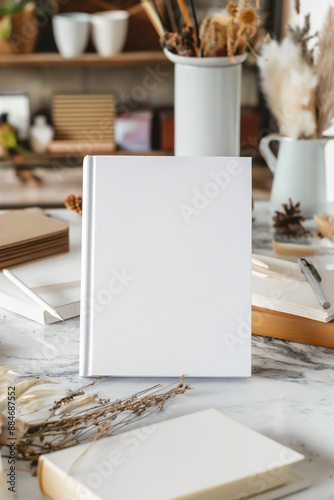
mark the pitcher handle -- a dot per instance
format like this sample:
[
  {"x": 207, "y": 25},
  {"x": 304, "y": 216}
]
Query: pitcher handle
[{"x": 266, "y": 151}]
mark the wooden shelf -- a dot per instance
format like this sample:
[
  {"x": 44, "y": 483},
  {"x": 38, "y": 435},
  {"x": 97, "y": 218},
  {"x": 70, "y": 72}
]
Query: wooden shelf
[
  {"x": 49, "y": 160},
  {"x": 90, "y": 59}
]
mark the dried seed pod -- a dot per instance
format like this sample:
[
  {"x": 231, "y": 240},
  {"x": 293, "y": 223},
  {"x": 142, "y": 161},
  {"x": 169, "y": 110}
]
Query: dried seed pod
[{"x": 74, "y": 203}]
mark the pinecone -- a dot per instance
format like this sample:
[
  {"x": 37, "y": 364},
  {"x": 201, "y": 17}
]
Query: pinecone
[
  {"x": 290, "y": 221},
  {"x": 74, "y": 203}
]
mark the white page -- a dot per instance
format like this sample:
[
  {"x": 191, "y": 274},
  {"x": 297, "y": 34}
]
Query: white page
[{"x": 183, "y": 303}]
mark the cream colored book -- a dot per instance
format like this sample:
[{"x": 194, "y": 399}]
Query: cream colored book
[{"x": 202, "y": 456}]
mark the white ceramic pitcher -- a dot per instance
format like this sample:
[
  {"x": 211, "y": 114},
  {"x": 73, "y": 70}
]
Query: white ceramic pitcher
[{"x": 299, "y": 173}]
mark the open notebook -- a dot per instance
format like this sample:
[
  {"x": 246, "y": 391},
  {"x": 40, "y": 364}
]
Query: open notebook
[
  {"x": 55, "y": 279},
  {"x": 293, "y": 295}
]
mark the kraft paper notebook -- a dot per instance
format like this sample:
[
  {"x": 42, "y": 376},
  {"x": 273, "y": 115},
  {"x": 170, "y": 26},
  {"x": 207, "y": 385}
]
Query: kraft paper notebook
[
  {"x": 27, "y": 236},
  {"x": 55, "y": 279},
  {"x": 166, "y": 267},
  {"x": 201, "y": 456}
]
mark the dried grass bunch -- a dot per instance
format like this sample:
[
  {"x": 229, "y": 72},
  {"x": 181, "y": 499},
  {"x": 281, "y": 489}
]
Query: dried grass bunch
[
  {"x": 298, "y": 90},
  {"x": 325, "y": 74},
  {"x": 218, "y": 36},
  {"x": 228, "y": 35},
  {"x": 74, "y": 419},
  {"x": 289, "y": 84}
]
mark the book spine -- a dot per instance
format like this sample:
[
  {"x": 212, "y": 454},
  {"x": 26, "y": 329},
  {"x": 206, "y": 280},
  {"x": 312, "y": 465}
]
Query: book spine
[
  {"x": 86, "y": 264},
  {"x": 55, "y": 483}
]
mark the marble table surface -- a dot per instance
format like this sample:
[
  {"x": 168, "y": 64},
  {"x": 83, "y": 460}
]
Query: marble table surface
[{"x": 290, "y": 396}]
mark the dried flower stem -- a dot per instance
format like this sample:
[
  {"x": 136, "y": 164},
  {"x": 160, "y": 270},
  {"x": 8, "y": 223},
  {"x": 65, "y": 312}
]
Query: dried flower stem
[
  {"x": 68, "y": 426},
  {"x": 297, "y": 6}
]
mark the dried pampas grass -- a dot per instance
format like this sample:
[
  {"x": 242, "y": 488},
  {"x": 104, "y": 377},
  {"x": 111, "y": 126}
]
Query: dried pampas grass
[
  {"x": 228, "y": 35},
  {"x": 289, "y": 83},
  {"x": 297, "y": 6},
  {"x": 298, "y": 90},
  {"x": 325, "y": 74}
]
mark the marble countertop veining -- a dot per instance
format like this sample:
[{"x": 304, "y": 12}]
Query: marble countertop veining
[{"x": 290, "y": 396}]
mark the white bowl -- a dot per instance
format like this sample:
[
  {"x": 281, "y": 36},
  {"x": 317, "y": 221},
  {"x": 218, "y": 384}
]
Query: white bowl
[
  {"x": 109, "y": 31},
  {"x": 71, "y": 33}
]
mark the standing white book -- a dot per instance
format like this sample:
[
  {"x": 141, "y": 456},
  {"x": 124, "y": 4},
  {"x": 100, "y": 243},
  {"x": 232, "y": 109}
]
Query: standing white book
[
  {"x": 201, "y": 456},
  {"x": 166, "y": 267}
]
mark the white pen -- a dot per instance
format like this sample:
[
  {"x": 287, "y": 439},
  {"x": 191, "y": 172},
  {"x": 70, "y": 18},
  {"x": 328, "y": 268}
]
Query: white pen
[
  {"x": 314, "y": 279},
  {"x": 22, "y": 286}
]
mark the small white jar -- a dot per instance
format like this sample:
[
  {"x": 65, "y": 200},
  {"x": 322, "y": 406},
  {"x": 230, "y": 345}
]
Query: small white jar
[{"x": 41, "y": 134}]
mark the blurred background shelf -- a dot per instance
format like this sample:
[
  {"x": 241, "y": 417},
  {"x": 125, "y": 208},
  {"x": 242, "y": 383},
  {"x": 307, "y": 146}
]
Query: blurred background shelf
[
  {"x": 45, "y": 180},
  {"x": 141, "y": 79},
  {"x": 48, "y": 186},
  {"x": 44, "y": 187},
  {"x": 48, "y": 160},
  {"x": 141, "y": 58}
]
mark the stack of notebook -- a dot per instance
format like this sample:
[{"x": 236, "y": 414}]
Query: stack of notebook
[
  {"x": 56, "y": 280},
  {"x": 286, "y": 307},
  {"x": 28, "y": 236}
]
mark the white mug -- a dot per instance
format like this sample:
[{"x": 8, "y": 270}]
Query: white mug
[
  {"x": 71, "y": 32},
  {"x": 109, "y": 31}
]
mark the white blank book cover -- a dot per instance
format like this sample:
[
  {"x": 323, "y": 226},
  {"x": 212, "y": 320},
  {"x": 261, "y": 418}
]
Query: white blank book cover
[{"x": 166, "y": 267}]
